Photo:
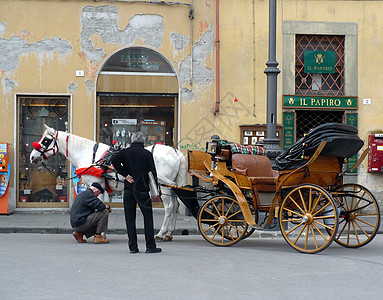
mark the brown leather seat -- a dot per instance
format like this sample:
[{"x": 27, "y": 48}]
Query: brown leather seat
[{"x": 258, "y": 169}]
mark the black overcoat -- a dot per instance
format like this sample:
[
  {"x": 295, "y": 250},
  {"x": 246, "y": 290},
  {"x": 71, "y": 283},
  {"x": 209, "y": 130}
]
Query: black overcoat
[{"x": 137, "y": 162}]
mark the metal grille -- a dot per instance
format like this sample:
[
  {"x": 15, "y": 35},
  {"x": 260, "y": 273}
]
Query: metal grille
[
  {"x": 309, "y": 119},
  {"x": 319, "y": 84}
]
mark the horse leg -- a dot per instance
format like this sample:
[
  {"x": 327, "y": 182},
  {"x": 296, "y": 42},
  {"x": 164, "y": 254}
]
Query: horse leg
[
  {"x": 166, "y": 199},
  {"x": 172, "y": 218}
]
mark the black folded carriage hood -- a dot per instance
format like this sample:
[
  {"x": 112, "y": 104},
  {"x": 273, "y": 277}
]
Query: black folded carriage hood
[{"x": 342, "y": 141}]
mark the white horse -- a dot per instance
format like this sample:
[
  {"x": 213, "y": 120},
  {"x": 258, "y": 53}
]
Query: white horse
[{"x": 170, "y": 164}]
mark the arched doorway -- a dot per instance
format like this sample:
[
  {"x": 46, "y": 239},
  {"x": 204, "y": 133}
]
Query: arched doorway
[{"x": 137, "y": 90}]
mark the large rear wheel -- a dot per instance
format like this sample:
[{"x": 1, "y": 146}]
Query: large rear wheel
[
  {"x": 359, "y": 215},
  {"x": 221, "y": 221},
  {"x": 306, "y": 213}
]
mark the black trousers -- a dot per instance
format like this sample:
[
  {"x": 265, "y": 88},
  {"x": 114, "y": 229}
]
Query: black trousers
[{"x": 145, "y": 204}]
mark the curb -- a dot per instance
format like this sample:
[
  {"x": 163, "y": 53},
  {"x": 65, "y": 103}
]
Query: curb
[{"x": 69, "y": 231}]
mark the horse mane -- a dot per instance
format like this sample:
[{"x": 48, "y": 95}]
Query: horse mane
[
  {"x": 80, "y": 149},
  {"x": 79, "y": 139}
]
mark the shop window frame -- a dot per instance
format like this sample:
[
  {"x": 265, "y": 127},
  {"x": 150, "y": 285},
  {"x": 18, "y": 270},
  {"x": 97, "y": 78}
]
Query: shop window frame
[{"x": 37, "y": 136}]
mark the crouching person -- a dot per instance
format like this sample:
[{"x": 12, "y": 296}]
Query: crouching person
[{"x": 89, "y": 215}]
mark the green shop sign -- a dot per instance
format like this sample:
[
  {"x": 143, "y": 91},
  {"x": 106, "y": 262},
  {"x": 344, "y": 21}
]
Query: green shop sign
[
  {"x": 319, "y": 61},
  {"x": 288, "y": 129},
  {"x": 352, "y": 119},
  {"x": 320, "y": 102}
]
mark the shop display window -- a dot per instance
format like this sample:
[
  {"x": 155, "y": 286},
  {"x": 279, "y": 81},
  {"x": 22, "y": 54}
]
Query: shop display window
[
  {"x": 123, "y": 114},
  {"x": 37, "y": 186}
]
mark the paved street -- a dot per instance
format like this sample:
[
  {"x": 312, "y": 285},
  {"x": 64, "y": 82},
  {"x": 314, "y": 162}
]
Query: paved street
[{"x": 53, "y": 266}]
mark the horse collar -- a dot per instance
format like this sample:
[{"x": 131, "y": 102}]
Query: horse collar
[{"x": 67, "y": 145}]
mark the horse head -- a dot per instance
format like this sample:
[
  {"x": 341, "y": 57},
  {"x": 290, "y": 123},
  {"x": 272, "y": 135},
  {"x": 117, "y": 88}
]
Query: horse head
[{"x": 46, "y": 147}]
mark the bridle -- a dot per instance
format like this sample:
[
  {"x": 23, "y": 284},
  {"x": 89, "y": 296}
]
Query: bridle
[
  {"x": 43, "y": 144},
  {"x": 42, "y": 147}
]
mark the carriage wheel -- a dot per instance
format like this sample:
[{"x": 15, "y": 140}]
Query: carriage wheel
[
  {"x": 305, "y": 214},
  {"x": 359, "y": 215},
  {"x": 249, "y": 230},
  {"x": 221, "y": 221}
]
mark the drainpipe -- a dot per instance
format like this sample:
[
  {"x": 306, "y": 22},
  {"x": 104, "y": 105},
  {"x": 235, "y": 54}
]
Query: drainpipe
[{"x": 217, "y": 91}]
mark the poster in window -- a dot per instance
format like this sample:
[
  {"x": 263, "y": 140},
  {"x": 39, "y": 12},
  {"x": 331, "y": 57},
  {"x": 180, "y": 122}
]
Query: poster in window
[
  {"x": 254, "y": 140},
  {"x": 246, "y": 140},
  {"x": 260, "y": 133},
  {"x": 248, "y": 133}
]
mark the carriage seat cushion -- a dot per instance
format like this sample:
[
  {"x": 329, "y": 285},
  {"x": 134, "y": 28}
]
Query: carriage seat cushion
[
  {"x": 257, "y": 168},
  {"x": 249, "y": 149}
]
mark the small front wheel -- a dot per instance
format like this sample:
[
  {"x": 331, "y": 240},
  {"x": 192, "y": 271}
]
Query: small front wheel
[
  {"x": 221, "y": 221},
  {"x": 359, "y": 216},
  {"x": 306, "y": 213}
]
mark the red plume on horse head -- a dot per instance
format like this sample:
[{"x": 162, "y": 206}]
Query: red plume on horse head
[{"x": 36, "y": 145}]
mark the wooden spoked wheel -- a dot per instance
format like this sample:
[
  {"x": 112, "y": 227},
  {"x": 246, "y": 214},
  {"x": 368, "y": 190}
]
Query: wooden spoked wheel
[
  {"x": 359, "y": 215},
  {"x": 221, "y": 221},
  {"x": 306, "y": 213}
]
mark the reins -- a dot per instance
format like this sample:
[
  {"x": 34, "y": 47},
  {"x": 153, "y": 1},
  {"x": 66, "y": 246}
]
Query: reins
[{"x": 66, "y": 178}]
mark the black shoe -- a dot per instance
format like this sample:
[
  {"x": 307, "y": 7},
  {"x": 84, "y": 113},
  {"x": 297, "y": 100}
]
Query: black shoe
[
  {"x": 134, "y": 251},
  {"x": 154, "y": 250}
]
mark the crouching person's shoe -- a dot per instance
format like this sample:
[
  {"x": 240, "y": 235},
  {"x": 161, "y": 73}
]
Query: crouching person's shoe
[
  {"x": 99, "y": 239},
  {"x": 79, "y": 236}
]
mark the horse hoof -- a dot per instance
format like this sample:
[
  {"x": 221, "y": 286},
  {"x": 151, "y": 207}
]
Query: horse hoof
[
  {"x": 167, "y": 238},
  {"x": 158, "y": 239}
]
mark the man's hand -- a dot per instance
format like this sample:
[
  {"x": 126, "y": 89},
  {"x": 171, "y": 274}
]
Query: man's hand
[
  {"x": 109, "y": 208},
  {"x": 129, "y": 178}
]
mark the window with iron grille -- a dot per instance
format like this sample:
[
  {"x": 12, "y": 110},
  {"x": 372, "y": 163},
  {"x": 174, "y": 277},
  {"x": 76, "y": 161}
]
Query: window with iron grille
[
  {"x": 331, "y": 84},
  {"x": 309, "y": 119}
]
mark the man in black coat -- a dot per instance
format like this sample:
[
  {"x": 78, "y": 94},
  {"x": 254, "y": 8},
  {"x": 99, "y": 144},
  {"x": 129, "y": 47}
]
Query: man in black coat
[
  {"x": 89, "y": 215},
  {"x": 134, "y": 163}
]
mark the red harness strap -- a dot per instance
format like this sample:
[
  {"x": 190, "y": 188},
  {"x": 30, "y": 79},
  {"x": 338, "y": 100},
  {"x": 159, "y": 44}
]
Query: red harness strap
[
  {"x": 67, "y": 142},
  {"x": 93, "y": 171}
]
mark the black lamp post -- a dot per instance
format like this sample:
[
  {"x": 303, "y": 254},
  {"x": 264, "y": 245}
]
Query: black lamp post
[{"x": 272, "y": 71}]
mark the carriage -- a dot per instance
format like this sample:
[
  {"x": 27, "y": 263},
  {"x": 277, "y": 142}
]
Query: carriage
[
  {"x": 233, "y": 193},
  {"x": 236, "y": 191}
]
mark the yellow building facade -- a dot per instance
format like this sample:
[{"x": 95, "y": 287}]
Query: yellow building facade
[{"x": 180, "y": 72}]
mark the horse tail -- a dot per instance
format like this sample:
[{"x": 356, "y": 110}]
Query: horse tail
[{"x": 182, "y": 174}]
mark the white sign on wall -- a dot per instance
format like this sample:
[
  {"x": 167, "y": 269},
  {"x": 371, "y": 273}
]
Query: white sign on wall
[{"x": 124, "y": 121}]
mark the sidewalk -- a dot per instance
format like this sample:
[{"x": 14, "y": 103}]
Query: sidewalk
[{"x": 58, "y": 222}]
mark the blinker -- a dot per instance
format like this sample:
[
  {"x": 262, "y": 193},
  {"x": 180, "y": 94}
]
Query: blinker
[{"x": 46, "y": 141}]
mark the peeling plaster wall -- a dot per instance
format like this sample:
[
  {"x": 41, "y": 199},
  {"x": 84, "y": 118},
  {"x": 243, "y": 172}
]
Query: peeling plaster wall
[
  {"x": 201, "y": 50},
  {"x": 186, "y": 94},
  {"x": 11, "y": 49},
  {"x": 89, "y": 86},
  {"x": 102, "y": 21},
  {"x": 72, "y": 87},
  {"x": 3, "y": 26},
  {"x": 8, "y": 85},
  {"x": 179, "y": 40}
]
